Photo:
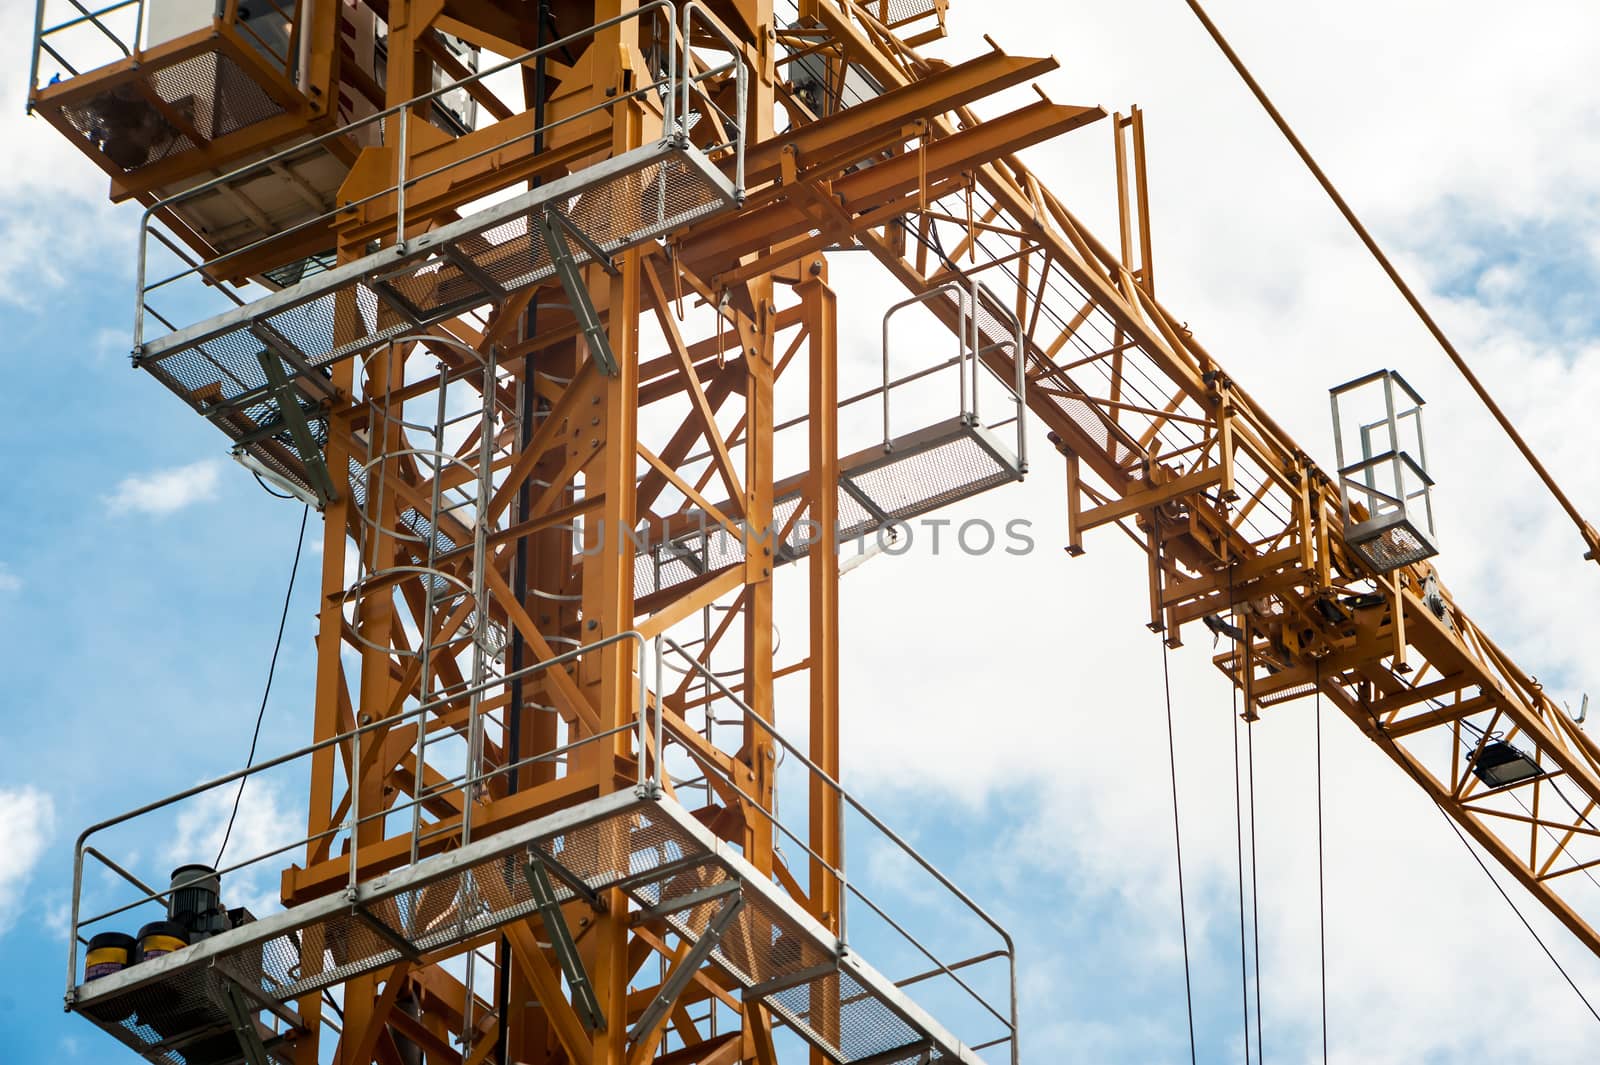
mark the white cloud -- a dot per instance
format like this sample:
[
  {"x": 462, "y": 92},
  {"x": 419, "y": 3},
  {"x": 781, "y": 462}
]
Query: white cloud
[
  {"x": 24, "y": 833},
  {"x": 165, "y": 491},
  {"x": 9, "y": 582},
  {"x": 264, "y": 823},
  {"x": 56, "y": 218}
]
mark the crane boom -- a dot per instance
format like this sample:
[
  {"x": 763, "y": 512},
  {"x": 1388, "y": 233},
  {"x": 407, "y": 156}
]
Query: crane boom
[{"x": 1237, "y": 519}]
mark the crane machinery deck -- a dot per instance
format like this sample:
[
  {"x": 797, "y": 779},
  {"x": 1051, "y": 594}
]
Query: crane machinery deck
[{"x": 513, "y": 295}]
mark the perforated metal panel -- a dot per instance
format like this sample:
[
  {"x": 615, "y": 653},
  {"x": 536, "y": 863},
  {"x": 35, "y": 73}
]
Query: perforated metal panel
[
  {"x": 180, "y": 1021},
  {"x": 206, "y": 94},
  {"x": 920, "y": 473},
  {"x": 906, "y": 10},
  {"x": 1389, "y": 542},
  {"x": 850, "y": 1023},
  {"x": 930, "y": 469}
]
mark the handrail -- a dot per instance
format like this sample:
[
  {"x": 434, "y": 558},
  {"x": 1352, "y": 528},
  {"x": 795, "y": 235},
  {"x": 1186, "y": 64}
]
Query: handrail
[
  {"x": 41, "y": 33},
  {"x": 353, "y": 736},
  {"x": 130, "y": 42},
  {"x": 961, "y": 346},
  {"x": 741, "y": 87},
  {"x": 876, "y": 822},
  {"x": 968, "y": 298}
]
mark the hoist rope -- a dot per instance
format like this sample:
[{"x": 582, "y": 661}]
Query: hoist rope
[
  {"x": 1322, "y": 907},
  {"x": 1517, "y": 910},
  {"x": 1238, "y": 829},
  {"x": 1590, "y": 537},
  {"x": 1177, "y": 838},
  {"x": 1255, "y": 889},
  {"x": 272, "y": 668}
]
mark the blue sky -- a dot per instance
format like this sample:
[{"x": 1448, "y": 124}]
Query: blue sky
[{"x": 138, "y": 607}]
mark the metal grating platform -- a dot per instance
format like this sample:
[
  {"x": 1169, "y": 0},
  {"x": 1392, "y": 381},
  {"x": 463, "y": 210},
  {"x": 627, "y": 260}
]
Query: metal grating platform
[
  {"x": 351, "y": 309},
  {"x": 652, "y": 848},
  {"x": 879, "y": 487},
  {"x": 928, "y": 469},
  {"x": 1388, "y": 541}
]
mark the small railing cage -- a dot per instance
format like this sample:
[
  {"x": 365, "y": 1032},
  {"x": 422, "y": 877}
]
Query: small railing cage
[
  {"x": 916, "y": 471},
  {"x": 1385, "y": 496},
  {"x": 892, "y": 473}
]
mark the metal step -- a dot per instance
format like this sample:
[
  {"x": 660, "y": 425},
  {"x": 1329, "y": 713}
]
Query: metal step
[{"x": 670, "y": 865}]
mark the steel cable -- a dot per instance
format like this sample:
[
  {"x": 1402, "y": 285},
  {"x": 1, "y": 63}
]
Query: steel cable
[
  {"x": 272, "y": 668},
  {"x": 1238, "y": 830},
  {"x": 1322, "y": 912},
  {"x": 1177, "y": 832}
]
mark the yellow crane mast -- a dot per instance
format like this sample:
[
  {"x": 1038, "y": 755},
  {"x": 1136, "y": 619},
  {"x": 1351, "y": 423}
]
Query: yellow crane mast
[{"x": 531, "y": 301}]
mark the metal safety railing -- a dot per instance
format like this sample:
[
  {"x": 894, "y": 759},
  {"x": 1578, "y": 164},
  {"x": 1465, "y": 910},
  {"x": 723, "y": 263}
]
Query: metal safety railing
[
  {"x": 983, "y": 327},
  {"x": 652, "y": 736},
  {"x": 698, "y": 103},
  {"x": 1005, "y": 1014},
  {"x": 466, "y": 786},
  {"x": 681, "y": 88}
]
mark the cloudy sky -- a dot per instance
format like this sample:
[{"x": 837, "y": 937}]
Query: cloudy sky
[{"x": 1005, "y": 711}]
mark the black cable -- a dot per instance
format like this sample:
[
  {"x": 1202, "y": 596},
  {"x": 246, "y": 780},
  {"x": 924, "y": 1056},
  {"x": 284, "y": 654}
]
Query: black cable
[
  {"x": 1177, "y": 833},
  {"x": 1255, "y": 887},
  {"x": 1322, "y": 912},
  {"x": 267, "y": 488},
  {"x": 1579, "y": 814},
  {"x": 1238, "y": 830},
  {"x": 272, "y": 668}
]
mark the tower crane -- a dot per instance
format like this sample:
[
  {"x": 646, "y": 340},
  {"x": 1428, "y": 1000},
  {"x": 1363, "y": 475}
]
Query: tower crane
[{"x": 531, "y": 302}]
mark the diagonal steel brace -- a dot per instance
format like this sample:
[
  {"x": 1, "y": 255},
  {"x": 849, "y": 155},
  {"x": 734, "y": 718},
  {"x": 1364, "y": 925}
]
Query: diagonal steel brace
[
  {"x": 295, "y": 418},
  {"x": 687, "y": 966},
  {"x": 554, "y": 227},
  {"x": 566, "y": 951},
  {"x": 244, "y": 1026}
]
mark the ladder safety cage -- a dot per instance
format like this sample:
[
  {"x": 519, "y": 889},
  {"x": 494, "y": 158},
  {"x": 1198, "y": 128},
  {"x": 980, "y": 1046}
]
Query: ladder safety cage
[{"x": 1385, "y": 496}]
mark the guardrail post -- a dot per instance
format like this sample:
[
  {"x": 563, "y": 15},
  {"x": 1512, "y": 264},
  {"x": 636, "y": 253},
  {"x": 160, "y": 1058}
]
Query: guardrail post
[
  {"x": 404, "y": 118},
  {"x": 355, "y": 799}
]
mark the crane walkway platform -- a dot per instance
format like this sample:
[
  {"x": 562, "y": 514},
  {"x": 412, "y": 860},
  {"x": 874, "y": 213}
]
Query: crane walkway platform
[
  {"x": 215, "y": 365},
  {"x": 880, "y": 487},
  {"x": 179, "y": 1008}
]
